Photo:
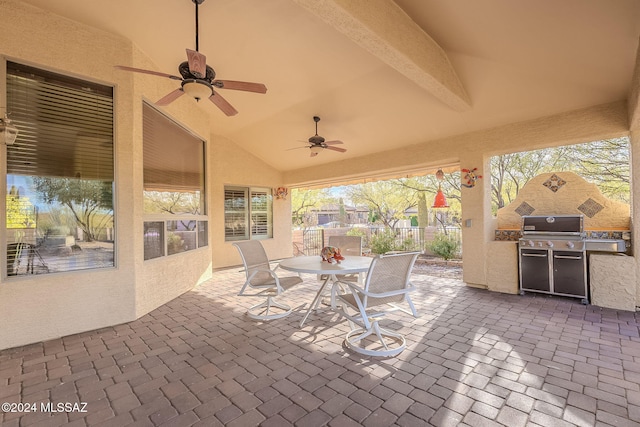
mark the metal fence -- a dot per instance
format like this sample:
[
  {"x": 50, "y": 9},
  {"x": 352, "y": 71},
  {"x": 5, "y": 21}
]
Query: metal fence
[{"x": 311, "y": 241}]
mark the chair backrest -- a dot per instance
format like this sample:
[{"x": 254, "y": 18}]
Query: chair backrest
[
  {"x": 349, "y": 245},
  {"x": 390, "y": 273},
  {"x": 253, "y": 257}
]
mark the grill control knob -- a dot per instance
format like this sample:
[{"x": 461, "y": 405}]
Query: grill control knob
[
  {"x": 549, "y": 243},
  {"x": 539, "y": 244},
  {"x": 531, "y": 243},
  {"x": 570, "y": 245}
]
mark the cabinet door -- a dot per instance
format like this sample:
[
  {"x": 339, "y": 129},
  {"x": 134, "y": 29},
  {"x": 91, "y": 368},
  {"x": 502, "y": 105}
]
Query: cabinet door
[
  {"x": 534, "y": 270},
  {"x": 570, "y": 273}
]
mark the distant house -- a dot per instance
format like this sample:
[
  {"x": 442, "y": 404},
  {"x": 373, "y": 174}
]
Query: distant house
[{"x": 330, "y": 214}]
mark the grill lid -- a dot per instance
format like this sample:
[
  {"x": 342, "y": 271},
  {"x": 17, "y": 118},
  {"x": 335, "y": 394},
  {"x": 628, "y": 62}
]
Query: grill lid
[{"x": 552, "y": 224}]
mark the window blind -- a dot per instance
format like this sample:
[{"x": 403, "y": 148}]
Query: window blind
[
  {"x": 260, "y": 213},
  {"x": 173, "y": 157},
  {"x": 66, "y": 125},
  {"x": 235, "y": 213}
]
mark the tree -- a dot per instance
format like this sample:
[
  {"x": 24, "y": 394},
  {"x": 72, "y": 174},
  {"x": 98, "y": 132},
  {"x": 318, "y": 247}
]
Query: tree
[
  {"x": 342, "y": 213},
  {"x": 387, "y": 201},
  {"x": 90, "y": 201},
  {"x": 172, "y": 202},
  {"x": 426, "y": 187},
  {"x": 20, "y": 211},
  {"x": 302, "y": 203},
  {"x": 605, "y": 163}
]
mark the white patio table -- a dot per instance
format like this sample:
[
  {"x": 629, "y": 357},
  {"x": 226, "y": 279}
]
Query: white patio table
[{"x": 314, "y": 264}]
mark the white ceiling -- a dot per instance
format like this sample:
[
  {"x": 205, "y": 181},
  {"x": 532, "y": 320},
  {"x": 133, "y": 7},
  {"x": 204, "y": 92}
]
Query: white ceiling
[{"x": 516, "y": 59}]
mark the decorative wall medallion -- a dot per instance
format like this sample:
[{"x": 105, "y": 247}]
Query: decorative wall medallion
[
  {"x": 281, "y": 193},
  {"x": 590, "y": 207},
  {"x": 525, "y": 209},
  {"x": 554, "y": 183}
]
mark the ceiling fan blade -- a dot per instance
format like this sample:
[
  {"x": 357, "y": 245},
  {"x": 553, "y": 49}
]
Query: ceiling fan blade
[
  {"x": 197, "y": 63},
  {"x": 333, "y": 142},
  {"x": 170, "y": 97},
  {"x": 222, "y": 104},
  {"x": 342, "y": 150},
  {"x": 235, "y": 85},
  {"x": 153, "y": 73},
  {"x": 295, "y": 148}
]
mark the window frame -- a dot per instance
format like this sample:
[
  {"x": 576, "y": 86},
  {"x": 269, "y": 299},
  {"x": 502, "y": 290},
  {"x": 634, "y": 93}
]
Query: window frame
[
  {"x": 198, "y": 220},
  {"x": 250, "y": 211},
  {"x": 62, "y": 79}
]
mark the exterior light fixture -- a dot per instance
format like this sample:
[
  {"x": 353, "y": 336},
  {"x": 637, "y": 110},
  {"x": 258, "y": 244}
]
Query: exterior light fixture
[
  {"x": 8, "y": 132},
  {"x": 440, "y": 201},
  {"x": 315, "y": 149},
  {"x": 198, "y": 89}
]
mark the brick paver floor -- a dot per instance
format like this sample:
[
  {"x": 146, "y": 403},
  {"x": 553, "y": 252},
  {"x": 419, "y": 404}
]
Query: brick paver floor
[{"x": 475, "y": 358}]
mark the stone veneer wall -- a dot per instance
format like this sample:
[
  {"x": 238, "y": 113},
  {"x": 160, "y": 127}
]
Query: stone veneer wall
[{"x": 565, "y": 193}]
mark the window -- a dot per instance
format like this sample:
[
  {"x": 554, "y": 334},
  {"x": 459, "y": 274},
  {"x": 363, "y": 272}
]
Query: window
[
  {"x": 174, "y": 190},
  {"x": 59, "y": 173},
  {"x": 247, "y": 213}
]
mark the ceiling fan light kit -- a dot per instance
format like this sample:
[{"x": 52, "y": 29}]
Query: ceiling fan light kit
[
  {"x": 198, "y": 79},
  {"x": 315, "y": 150},
  {"x": 197, "y": 90}
]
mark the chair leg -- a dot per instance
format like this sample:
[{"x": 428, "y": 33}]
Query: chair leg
[
  {"x": 387, "y": 339},
  {"x": 269, "y": 310}
]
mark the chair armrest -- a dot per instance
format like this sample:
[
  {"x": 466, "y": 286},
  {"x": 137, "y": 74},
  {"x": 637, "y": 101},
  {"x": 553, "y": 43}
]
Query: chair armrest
[{"x": 355, "y": 288}]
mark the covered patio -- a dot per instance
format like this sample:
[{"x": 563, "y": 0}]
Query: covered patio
[
  {"x": 409, "y": 87},
  {"x": 475, "y": 358}
]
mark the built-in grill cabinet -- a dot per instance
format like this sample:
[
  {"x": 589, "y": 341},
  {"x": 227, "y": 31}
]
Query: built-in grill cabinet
[{"x": 552, "y": 256}]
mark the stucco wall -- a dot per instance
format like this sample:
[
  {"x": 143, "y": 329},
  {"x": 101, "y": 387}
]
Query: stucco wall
[
  {"x": 613, "y": 281},
  {"x": 565, "y": 193},
  {"x": 231, "y": 165},
  {"x": 35, "y": 308},
  {"x": 502, "y": 267},
  {"x": 41, "y": 307}
]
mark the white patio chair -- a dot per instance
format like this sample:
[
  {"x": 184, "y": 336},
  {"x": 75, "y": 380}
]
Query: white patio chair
[
  {"x": 349, "y": 246},
  {"x": 262, "y": 281},
  {"x": 387, "y": 285}
]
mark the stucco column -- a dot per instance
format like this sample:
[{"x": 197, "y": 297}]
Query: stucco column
[
  {"x": 476, "y": 219},
  {"x": 634, "y": 138}
]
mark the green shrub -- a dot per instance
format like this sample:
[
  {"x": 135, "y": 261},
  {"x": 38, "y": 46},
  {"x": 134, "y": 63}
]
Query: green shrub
[
  {"x": 361, "y": 233},
  {"x": 383, "y": 241},
  {"x": 444, "y": 246},
  {"x": 407, "y": 244}
]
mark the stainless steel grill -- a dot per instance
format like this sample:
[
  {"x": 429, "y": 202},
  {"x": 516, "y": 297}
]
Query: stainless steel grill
[{"x": 552, "y": 255}]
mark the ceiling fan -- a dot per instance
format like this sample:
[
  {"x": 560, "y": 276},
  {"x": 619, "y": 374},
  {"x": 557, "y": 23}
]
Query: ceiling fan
[
  {"x": 317, "y": 143},
  {"x": 199, "y": 80}
]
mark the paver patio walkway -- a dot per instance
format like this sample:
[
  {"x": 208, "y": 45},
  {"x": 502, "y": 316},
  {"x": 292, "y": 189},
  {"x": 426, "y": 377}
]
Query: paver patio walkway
[{"x": 476, "y": 358}]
